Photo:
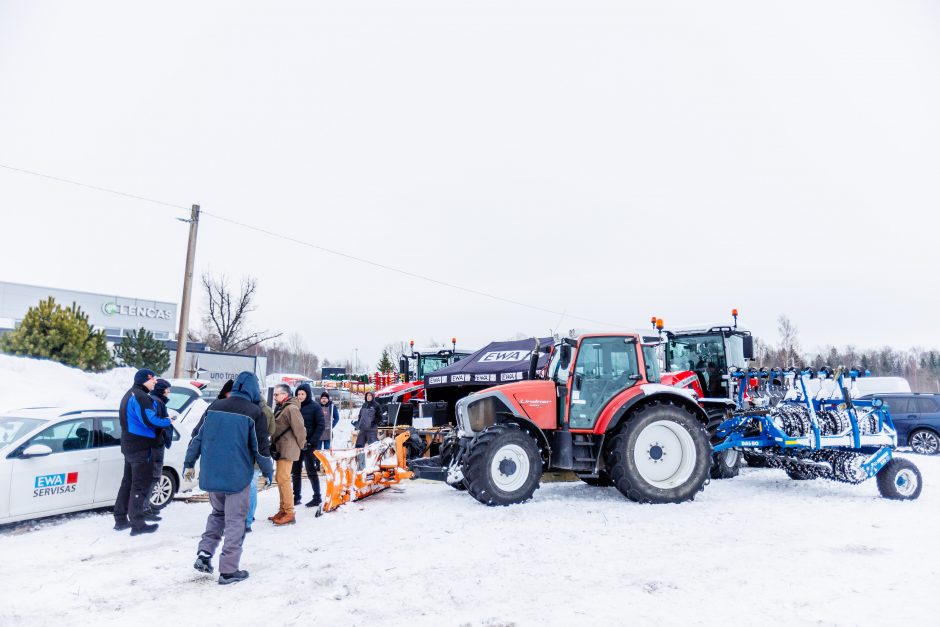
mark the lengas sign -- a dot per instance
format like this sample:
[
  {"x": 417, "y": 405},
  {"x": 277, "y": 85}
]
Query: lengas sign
[{"x": 113, "y": 309}]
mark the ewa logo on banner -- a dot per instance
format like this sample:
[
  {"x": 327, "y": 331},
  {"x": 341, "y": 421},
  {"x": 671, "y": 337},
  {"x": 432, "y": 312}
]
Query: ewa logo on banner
[
  {"x": 485, "y": 378},
  {"x": 460, "y": 378},
  {"x": 511, "y": 376},
  {"x": 505, "y": 356},
  {"x": 62, "y": 483},
  {"x": 436, "y": 380}
]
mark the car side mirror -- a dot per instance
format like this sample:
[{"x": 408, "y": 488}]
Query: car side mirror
[{"x": 36, "y": 450}]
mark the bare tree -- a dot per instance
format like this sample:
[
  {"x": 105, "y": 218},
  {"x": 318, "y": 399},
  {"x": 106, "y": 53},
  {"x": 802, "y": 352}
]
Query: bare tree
[
  {"x": 789, "y": 340},
  {"x": 226, "y": 319}
]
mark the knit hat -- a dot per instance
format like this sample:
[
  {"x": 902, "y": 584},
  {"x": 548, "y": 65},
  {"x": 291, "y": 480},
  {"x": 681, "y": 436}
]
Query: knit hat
[
  {"x": 143, "y": 375},
  {"x": 226, "y": 388},
  {"x": 324, "y": 393},
  {"x": 162, "y": 384}
]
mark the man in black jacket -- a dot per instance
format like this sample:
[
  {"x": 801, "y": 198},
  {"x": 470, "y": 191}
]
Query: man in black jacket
[
  {"x": 140, "y": 428},
  {"x": 314, "y": 424}
]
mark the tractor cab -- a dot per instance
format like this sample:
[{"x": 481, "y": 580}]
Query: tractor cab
[{"x": 711, "y": 353}]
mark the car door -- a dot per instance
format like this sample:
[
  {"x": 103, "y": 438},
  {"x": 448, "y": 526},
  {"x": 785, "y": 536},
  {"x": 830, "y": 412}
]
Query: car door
[
  {"x": 63, "y": 480},
  {"x": 110, "y": 459},
  {"x": 928, "y": 413},
  {"x": 901, "y": 409}
]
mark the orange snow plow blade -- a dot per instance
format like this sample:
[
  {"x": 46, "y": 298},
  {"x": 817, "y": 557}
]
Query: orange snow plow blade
[{"x": 355, "y": 473}]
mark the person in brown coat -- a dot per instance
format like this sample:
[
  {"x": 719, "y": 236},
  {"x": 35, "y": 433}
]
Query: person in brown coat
[{"x": 288, "y": 439}]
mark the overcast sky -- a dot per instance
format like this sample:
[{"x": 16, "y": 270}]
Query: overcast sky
[{"x": 610, "y": 160}]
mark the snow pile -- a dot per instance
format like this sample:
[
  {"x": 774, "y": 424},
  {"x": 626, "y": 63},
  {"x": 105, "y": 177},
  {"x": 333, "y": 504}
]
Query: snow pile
[
  {"x": 28, "y": 382},
  {"x": 760, "y": 549}
]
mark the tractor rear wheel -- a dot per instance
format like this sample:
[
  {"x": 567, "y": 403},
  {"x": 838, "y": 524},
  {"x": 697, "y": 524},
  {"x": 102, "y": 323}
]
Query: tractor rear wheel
[
  {"x": 726, "y": 464},
  {"x": 503, "y": 466},
  {"x": 660, "y": 455}
]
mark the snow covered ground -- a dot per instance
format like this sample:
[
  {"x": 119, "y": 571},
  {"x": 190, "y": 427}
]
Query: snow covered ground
[{"x": 760, "y": 549}]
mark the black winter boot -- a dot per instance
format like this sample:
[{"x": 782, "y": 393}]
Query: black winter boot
[{"x": 203, "y": 562}]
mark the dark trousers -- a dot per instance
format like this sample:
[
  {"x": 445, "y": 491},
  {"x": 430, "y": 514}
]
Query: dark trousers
[
  {"x": 366, "y": 437},
  {"x": 308, "y": 461},
  {"x": 156, "y": 460},
  {"x": 134, "y": 495}
]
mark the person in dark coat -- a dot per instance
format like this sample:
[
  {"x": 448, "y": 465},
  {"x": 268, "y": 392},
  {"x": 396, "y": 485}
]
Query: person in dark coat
[
  {"x": 229, "y": 447},
  {"x": 369, "y": 415},
  {"x": 140, "y": 424},
  {"x": 160, "y": 396},
  {"x": 314, "y": 424}
]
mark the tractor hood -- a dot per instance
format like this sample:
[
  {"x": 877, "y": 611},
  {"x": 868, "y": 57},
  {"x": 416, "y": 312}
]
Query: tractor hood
[
  {"x": 398, "y": 388},
  {"x": 532, "y": 400}
]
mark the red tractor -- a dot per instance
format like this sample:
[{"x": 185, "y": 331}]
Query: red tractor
[{"x": 602, "y": 414}]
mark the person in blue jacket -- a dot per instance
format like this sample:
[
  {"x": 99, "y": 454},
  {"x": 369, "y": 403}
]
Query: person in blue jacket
[
  {"x": 227, "y": 442},
  {"x": 160, "y": 396},
  {"x": 141, "y": 427}
]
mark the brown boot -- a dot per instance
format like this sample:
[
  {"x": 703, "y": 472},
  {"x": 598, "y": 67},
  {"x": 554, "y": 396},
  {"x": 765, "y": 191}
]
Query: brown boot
[
  {"x": 285, "y": 519},
  {"x": 279, "y": 513}
]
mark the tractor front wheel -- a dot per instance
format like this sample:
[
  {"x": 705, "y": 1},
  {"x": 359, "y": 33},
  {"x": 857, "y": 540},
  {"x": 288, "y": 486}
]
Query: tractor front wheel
[
  {"x": 660, "y": 455},
  {"x": 503, "y": 466}
]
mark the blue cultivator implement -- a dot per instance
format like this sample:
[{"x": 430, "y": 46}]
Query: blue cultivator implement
[{"x": 838, "y": 439}]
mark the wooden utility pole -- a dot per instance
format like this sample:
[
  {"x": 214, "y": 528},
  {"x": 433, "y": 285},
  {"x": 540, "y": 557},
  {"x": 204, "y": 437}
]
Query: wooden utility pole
[{"x": 187, "y": 293}]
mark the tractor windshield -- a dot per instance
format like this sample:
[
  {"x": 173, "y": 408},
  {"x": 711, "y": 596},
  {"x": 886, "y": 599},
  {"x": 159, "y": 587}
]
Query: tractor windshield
[
  {"x": 703, "y": 354},
  {"x": 429, "y": 363}
]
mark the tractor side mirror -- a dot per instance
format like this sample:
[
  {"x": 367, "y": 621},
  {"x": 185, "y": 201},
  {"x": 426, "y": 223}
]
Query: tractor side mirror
[
  {"x": 565, "y": 356},
  {"x": 748, "y": 346},
  {"x": 877, "y": 403},
  {"x": 403, "y": 367}
]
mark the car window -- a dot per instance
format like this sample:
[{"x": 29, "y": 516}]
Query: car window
[
  {"x": 110, "y": 432},
  {"x": 71, "y": 435},
  {"x": 899, "y": 405},
  {"x": 180, "y": 398},
  {"x": 12, "y": 428},
  {"x": 926, "y": 405}
]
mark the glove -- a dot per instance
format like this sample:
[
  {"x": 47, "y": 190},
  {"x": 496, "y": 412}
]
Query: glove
[{"x": 189, "y": 474}]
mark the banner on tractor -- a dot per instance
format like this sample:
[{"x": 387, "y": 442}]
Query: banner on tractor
[{"x": 495, "y": 363}]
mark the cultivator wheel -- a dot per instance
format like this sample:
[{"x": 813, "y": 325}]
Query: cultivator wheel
[
  {"x": 726, "y": 464},
  {"x": 899, "y": 480},
  {"x": 755, "y": 460},
  {"x": 503, "y": 466},
  {"x": 660, "y": 455}
]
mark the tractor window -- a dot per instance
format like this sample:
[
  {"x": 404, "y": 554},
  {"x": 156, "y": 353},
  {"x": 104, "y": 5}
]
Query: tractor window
[
  {"x": 652, "y": 364},
  {"x": 703, "y": 354},
  {"x": 429, "y": 363},
  {"x": 605, "y": 366}
]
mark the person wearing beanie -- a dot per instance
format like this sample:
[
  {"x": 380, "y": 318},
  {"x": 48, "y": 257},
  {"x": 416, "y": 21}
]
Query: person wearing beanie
[
  {"x": 140, "y": 425},
  {"x": 160, "y": 396},
  {"x": 331, "y": 419},
  {"x": 226, "y": 389}
]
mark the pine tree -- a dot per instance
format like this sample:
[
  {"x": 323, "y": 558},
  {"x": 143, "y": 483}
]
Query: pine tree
[
  {"x": 50, "y": 331},
  {"x": 141, "y": 350},
  {"x": 385, "y": 364}
]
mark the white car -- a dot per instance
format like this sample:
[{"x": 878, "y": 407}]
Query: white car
[{"x": 60, "y": 460}]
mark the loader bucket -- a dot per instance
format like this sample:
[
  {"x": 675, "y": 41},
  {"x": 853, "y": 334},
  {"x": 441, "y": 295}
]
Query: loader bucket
[{"x": 355, "y": 473}]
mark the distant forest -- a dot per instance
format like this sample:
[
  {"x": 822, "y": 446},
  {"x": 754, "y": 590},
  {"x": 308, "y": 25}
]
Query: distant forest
[{"x": 921, "y": 367}]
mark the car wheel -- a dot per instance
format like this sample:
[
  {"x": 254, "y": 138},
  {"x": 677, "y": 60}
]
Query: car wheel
[
  {"x": 925, "y": 442},
  {"x": 163, "y": 490}
]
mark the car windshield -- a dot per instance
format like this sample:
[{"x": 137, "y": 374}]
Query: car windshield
[
  {"x": 180, "y": 398},
  {"x": 12, "y": 428}
]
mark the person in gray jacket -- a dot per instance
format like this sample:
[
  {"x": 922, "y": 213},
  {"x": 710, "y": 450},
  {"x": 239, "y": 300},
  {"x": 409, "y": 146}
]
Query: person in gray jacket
[
  {"x": 227, "y": 442},
  {"x": 368, "y": 422}
]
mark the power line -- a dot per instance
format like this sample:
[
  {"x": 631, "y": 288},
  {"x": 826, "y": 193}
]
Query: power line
[
  {"x": 95, "y": 187},
  {"x": 337, "y": 253},
  {"x": 401, "y": 271}
]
